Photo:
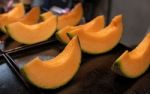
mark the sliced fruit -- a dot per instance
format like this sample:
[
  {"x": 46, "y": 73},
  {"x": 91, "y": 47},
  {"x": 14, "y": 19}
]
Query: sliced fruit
[
  {"x": 61, "y": 35},
  {"x": 94, "y": 25},
  {"x": 16, "y": 13},
  {"x": 133, "y": 64},
  {"x": 72, "y": 18},
  {"x": 32, "y": 17},
  {"x": 103, "y": 41},
  {"x": 46, "y": 15},
  {"x": 30, "y": 34},
  {"x": 56, "y": 72}
]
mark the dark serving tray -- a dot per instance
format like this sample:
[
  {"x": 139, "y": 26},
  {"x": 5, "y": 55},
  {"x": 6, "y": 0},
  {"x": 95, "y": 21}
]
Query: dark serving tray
[{"x": 93, "y": 77}]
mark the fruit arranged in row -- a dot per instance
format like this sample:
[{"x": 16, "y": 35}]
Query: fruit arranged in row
[
  {"x": 54, "y": 73},
  {"x": 94, "y": 25},
  {"x": 93, "y": 36},
  {"x": 26, "y": 29}
]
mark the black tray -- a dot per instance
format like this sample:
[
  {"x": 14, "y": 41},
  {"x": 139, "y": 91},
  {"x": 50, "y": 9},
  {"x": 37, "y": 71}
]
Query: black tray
[{"x": 93, "y": 77}]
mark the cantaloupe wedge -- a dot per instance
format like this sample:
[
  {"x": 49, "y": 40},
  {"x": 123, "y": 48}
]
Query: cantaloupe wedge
[
  {"x": 133, "y": 64},
  {"x": 94, "y": 25},
  {"x": 16, "y": 13},
  {"x": 102, "y": 41},
  {"x": 72, "y": 18},
  {"x": 31, "y": 17},
  {"x": 30, "y": 34},
  {"x": 56, "y": 72}
]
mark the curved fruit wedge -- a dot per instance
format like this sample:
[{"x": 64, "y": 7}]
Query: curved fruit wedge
[
  {"x": 94, "y": 25},
  {"x": 16, "y": 13},
  {"x": 72, "y": 18},
  {"x": 135, "y": 63},
  {"x": 30, "y": 34},
  {"x": 31, "y": 17},
  {"x": 56, "y": 72},
  {"x": 103, "y": 41}
]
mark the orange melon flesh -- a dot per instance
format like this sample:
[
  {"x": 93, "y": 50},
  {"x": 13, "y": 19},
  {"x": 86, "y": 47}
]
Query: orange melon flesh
[
  {"x": 46, "y": 15},
  {"x": 16, "y": 13},
  {"x": 103, "y": 41},
  {"x": 56, "y": 72},
  {"x": 135, "y": 63},
  {"x": 31, "y": 17},
  {"x": 30, "y": 34},
  {"x": 94, "y": 25},
  {"x": 72, "y": 18}
]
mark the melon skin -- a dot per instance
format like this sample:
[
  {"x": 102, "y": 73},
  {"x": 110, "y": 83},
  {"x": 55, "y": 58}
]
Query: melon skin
[{"x": 3, "y": 29}]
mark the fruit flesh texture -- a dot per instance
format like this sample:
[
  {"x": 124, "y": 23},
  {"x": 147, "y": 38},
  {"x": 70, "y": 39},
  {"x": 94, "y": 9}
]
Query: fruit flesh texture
[
  {"x": 57, "y": 71},
  {"x": 72, "y": 18},
  {"x": 94, "y": 25},
  {"x": 12, "y": 15},
  {"x": 102, "y": 41},
  {"x": 32, "y": 33},
  {"x": 32, "y": 17},
  {"x": 135, "y": 63}
]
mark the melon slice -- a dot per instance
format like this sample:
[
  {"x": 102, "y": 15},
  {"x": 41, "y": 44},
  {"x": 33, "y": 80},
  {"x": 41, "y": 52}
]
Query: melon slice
[
  {"x": 72, "y": 18},
  {"x": 16, "y": 13},
  {"x": 94, "y": 25},
  {"x": 56, "y": 72},
  {"x": 103, "y": 41},
  {"x": 135, "y": 63},
  {"x": 30, "y": 34},
  {"x": 31, "y": 17}
]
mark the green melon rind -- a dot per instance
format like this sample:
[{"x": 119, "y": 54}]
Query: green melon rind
[
  {"x": 8, "y": 32},
  {"x": 117, "y": 68},
  {"x": 60, "y": 39},
  {"x": 3, "y": 29},
  {"x": 93, "y": 53},
  {"x": 49, "y": 88}
]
